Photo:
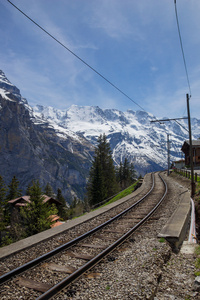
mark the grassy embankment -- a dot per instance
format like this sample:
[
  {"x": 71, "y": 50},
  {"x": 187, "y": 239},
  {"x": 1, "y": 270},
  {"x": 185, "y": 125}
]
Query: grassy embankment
[{"x": 122, "y": 194}]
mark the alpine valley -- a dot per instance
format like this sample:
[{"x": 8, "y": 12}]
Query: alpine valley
[{"x": 56, "y": 146}]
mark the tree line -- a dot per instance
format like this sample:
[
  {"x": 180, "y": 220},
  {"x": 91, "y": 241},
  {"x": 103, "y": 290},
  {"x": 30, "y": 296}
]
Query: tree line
[
  {"x": 34, "y": 217},
  {"x": 104, "y": 179}
]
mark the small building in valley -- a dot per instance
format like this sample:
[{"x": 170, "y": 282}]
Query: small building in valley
[
  {"x": 195, "y": 149},
  {"x": 179, "y": 164},
  {"x": 24, "y": 200}
]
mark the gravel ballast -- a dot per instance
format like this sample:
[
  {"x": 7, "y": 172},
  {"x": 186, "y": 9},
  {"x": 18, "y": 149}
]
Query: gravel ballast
[{"x": 144, "y": 267}]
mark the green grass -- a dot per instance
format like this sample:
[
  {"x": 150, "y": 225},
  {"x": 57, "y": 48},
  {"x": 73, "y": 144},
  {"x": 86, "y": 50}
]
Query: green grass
[
  {"x": 162, "y": 240},
  {"x": 181, "y": 172},
  {"x": 123, "y": 194},
  {"x": 197, "y": 263},
  {"x": 197, "y": 250},
  {"x": 197, "y": 273}
]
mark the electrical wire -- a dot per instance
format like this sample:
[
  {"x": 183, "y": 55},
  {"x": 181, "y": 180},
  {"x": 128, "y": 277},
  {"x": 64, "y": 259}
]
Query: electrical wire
[
  {"x": 179, "y": 32},
  {"x": 89, "y": 66},
  {"x": 181, "y": 125},
  {"x": 78, "y": 57},
  {"x": 103, "y": 77}
]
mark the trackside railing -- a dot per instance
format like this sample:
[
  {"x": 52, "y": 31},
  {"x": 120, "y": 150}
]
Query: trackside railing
[{"x": 187, "y": 173}]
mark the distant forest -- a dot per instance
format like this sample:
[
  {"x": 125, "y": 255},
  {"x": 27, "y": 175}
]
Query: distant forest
[{"x": 105, "y": 181}]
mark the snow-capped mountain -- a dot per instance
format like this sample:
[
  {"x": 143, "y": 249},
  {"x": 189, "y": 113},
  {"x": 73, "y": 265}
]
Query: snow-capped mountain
[
  {"x": 57, "y": 146},
  {"x": 32, "y": 149},
  {"x": 131, "y": 134}
]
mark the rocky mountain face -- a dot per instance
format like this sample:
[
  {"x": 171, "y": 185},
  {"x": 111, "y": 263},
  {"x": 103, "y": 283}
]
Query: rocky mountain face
[
  {"x": 31, "y": 149},
  {"x": 131, "y": 134},
  {"x": 56, "y": 146}
]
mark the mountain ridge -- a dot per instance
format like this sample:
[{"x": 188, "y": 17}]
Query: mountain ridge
[
  {"x": 131, "y": 134},
  {"x": 33, "y": 150},
  {"x": 59, "y": 144}
]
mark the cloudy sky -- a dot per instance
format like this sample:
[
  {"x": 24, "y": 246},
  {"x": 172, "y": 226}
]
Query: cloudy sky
[{"x": 134, "y": 44}]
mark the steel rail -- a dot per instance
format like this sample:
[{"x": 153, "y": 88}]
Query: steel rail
[
  {"x": 53, "y": 252},
  {"x": 79, "y": 272}
]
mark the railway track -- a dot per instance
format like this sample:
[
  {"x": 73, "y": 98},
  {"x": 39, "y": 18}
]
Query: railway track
[{"x": 45, "y": 276}]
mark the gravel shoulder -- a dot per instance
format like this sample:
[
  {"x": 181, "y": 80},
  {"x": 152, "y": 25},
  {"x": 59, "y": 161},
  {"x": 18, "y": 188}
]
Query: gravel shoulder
[{"x": 145, "y": 267}]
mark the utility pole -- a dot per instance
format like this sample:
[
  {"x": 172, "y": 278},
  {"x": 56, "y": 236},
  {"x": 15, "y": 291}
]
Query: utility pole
[
  {"x": 168, "y": 154},
  {"x": 191, "y": 151},
  {"x": 190, "y": 141}
]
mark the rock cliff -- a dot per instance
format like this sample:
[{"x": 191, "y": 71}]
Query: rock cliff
[{"x": 32, "y": 150}]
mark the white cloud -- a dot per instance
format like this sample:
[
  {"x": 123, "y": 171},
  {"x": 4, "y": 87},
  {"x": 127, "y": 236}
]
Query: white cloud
[{"x": 132, "y": 43}]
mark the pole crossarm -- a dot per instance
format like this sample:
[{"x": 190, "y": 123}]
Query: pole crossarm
[{"x": 165, "y": 120}]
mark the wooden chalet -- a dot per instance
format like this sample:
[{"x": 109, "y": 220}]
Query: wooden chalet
[
  {"x": 24, "y": 200},
  {"x": 196, "y": 152}
]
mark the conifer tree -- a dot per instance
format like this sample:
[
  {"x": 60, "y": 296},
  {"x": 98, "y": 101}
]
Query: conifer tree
[
  {"x": 14, "y": 190},
  {"x": 36, "y": 215},
  {"x": 62, "y": 209},
  {"x": 119, "y": 175},
  {"x": 48, "y": 190},
  {"x": 3, "y": 203},
  {"x": 133, "y": 175},
  {"x": 28, "y": 188},
  {"x": 102, "y": 180},
  {"x": 125, "y": 174}
]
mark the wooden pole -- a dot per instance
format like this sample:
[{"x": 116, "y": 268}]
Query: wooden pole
[
  {"x": 191, "y": 151},
  {"x": 168, "y": 154}
]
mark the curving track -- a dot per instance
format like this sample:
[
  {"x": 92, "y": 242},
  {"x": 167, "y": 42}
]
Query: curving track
[{"x": 82, "y": 253}]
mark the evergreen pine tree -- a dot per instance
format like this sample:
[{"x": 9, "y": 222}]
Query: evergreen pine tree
[
  {"x": 36, "y": 215},
  {"x": 48, "y": 190},
  {"x": 133, "y": 175},
  {"x": 62, "y": 209},
  {"x": 14, "y": 190},
  {"x": 119, "y": 175},
  {"x": 96, "y": 187},
  {"x": 29, "y": 188},
  {"x": 3, "y": 203},
  {"x": 126, "y": 173},
  {"x": 102, "y": 180}
]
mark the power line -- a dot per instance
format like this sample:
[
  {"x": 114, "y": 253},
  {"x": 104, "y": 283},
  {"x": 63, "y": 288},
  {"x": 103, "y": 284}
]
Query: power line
[
  {"x": 179, "y": 32},
  {"x": 78, "y": 57},
  {"x": 182, "y": 125}
]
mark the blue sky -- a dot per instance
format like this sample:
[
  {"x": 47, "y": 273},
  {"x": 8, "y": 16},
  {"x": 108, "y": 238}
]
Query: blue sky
[{"x": 134, "y": 44}]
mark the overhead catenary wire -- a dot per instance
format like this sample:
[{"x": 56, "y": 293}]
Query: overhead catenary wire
[
  {"x": 181, "y": 125},
  {"x": 182, "y": 50},
  {"x": 89, "y": 66},
  {"x": 78, "y": 57}
]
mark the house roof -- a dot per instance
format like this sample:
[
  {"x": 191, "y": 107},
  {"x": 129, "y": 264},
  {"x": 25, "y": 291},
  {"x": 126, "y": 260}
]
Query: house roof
[
  {"x": 56, "y": 224},
  {"x": 179, "y": 161},
  {"x": 54, "y": 218},
  {"x": 194, "y": 142},
  {"x": 23, "y": 200},
  {"x": 186, "y": 145}
]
